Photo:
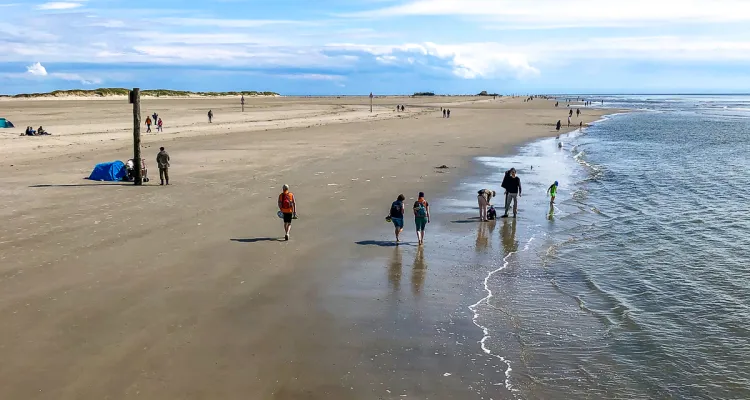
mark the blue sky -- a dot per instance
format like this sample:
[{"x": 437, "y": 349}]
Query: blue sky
[{"x": 384, "y": 46}]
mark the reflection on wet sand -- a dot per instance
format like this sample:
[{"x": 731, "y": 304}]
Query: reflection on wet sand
[
  {"x": 508, "y": 236},
  {"x": 394, "y": 270},
  {"x": 419, "y": 270},
  {"x": 483, "y": 238}
]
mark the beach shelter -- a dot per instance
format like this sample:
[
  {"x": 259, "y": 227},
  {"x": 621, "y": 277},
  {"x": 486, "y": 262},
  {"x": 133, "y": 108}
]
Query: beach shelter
[
  {"x": 4, "y": 123},
  {"x": 109, "y": 171}
]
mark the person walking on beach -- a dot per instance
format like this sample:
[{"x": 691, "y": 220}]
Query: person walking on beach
[
  {"x": 483, "y": 198},
  {"x": 444, "y": 112},
  {"x": 159, "y": 126},
  {"x": 421, "y": 216},
  {"x": 570, "y": 114},
  {"x": 210, "y": 116},
  {"x": 288, "y": 208},
  {"x": 449, "y": 113},
  {"x": 148, "y": 124},
  {"x": 513, "y": 192},
  {"x": 156, "y": 117},
  {"x": 552, "y": 192},
  {"x": 558, "y": 125},
  {"x": 397, "y": 216},
  {"x": 162, "y": 161},
  {"x": 578, "y": 112}
]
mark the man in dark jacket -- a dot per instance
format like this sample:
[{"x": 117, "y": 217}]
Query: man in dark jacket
[
  {"x": 162, "y": 160},
  {"x": 512, "y": 186}
]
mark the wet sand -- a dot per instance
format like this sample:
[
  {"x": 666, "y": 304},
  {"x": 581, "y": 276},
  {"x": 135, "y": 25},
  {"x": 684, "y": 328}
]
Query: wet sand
[{"x": 115, "y": 291}]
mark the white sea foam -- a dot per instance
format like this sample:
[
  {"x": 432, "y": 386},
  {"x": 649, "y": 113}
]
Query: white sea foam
[{"x": 485, "y": 331}]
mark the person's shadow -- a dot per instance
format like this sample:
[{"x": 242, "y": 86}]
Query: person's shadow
[{"x": 256, "y": 240}]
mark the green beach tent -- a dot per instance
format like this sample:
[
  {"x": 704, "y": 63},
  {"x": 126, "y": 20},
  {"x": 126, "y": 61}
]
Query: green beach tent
[{"x": 4, "y": 123}]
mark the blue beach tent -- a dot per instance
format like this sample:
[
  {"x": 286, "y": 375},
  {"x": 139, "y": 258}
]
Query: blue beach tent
[
  {"x": 4, "y": 123},
  {"x": 110, "y": 171}
]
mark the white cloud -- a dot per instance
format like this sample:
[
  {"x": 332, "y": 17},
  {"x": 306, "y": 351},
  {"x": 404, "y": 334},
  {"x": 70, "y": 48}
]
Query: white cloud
[
  {"x": 231, "y": 23},
  {"x": 468, "y": 61},
  {"x": 313, "y": 77},
  {"x": 59, "y": 5},
  {"x": 75, "y": 77},
  {"x": 36, "y": 69},
  {"x": 541, "y": 13}
]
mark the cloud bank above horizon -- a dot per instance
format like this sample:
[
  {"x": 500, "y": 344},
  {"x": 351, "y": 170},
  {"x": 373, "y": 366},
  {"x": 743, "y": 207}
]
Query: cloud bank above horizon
[{"x": 385, "y": 46}]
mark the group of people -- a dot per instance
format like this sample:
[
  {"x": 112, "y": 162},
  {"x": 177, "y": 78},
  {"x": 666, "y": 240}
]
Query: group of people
[
  {"x": 39, "y": 132},
  {"x": 446, "y": 113},
  {"x": 400, "y": 108},
  {"x": 162, "y": 161},
  {"x": 512, "y": 185},
  {"x": 156, "y": 121},
  {"x": 421, "y": 211}
]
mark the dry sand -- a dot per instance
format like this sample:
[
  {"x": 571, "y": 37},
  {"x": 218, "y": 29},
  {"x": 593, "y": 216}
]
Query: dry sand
[{"x": 115, "y": 291}]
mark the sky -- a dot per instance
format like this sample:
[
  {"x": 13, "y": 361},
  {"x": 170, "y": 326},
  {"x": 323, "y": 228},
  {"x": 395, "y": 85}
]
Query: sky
[{"x": 326, "y": 47}]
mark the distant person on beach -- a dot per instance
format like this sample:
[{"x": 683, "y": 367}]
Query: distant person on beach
[
  {"x": 288, "y": 208},
  {"x": 421, "y": 216},
  {"x": 156, "y": 117},
  {"x": 552, "y": 192},
  {"x": 580, "y": 125},
  {"x": 449, "y": 113},
  {"x": 397, "y": 216},
  {"x": 557, "y": 103},
  {"x": 148, "y": 124},
  {"x": 162, "y": 161},
  {"x": 570, "y": 114},
  {"x": 159, "y": 126},
  {"x": 41, "y": 131},
  {"x": 513, "y": 192},
  {"x": 578, "y": 112},
  {"x": 558, "y": 126},
  {"x": 444, "y": 112},
  {"x": 483, "y": 198},
  {"x": 210, "y": 116}
]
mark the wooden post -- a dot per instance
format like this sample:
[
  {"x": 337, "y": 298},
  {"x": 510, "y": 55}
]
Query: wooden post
[{"x": 135, "y": 98}]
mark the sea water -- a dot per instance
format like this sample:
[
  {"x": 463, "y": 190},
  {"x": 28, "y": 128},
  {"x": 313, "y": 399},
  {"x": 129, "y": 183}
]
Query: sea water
[{"x": 635, "y": 284}]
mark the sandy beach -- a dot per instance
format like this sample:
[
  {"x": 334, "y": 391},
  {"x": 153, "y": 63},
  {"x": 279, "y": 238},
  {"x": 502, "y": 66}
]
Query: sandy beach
[{"x": 113, "y": 291}]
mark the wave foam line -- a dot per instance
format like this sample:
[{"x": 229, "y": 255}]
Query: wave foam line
[{"x": 485, "y": 330}]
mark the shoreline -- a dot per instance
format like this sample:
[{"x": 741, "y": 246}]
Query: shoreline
[{"x": 206, "y": 264}]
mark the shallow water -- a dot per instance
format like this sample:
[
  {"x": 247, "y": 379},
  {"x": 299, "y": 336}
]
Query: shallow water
[{"x": 636, "y": 285}]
